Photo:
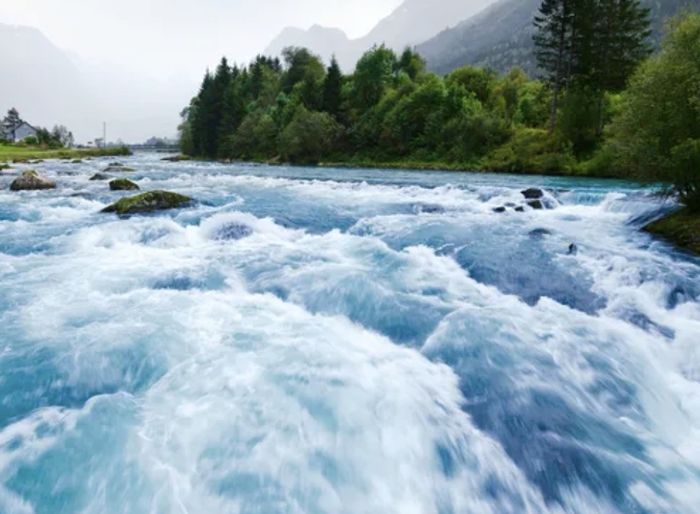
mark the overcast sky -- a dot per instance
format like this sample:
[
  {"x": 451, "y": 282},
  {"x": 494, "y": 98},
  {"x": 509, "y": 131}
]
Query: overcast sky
[{"x": 182, "y": 36}]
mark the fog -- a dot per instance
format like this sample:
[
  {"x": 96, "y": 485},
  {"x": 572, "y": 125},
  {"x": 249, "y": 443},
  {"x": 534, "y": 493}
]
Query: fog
[{"x": 136, "y": 63}]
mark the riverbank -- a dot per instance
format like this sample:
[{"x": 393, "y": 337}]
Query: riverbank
[
  {"x": 14, "y": 153},
  {"x": 681, "y": 228}
]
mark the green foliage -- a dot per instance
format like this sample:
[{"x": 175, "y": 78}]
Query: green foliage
[
  {"x": 589, "y": 45},
  {"x": 532, "y": 151},
  {"x": 390, "y": 110},
  {"x": 656, "y": 130},
  {"x": 479, "y": 81},
  {"x": 578, "y": 121},
  {"x": 255, "y": 137},
  {"x": 309, "y": 136},
  {"x": 333, "y": 90},
  {"x": 373, "y": 75}
]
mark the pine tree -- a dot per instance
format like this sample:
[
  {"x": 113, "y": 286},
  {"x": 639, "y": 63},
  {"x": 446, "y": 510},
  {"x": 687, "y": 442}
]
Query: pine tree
[
  {"x": 12, "y": 122},
  {"x": 621, "y": 42},
  {"x": 553, "y": 42},
  {"x": 332, "y": 89},
  {"x": 233, "y": 110},
  {"x": 205, "y": 128},
  {"x": 199, "y": 114}
]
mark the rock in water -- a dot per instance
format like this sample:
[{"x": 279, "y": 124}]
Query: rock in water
[
  {"x": 100, "y": 176},
  {"x": 536, "y": 204},
  {"x": 533, "y": 193},
  {"x": 149, "y": 202},
  {"x": 30, "y": 180},
  {"x": 176, "y": 158},
  {"x": 117, "y": 167},
  {"x": 123, "y": 184}
]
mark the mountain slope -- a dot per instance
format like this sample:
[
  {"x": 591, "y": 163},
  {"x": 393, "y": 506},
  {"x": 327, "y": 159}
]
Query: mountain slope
[
  {"x": 50, "y": 87},
  {"x": 500, "y": 37},
  {"x": 38, "y": 78},
  {"x": 411, "y": 23}
]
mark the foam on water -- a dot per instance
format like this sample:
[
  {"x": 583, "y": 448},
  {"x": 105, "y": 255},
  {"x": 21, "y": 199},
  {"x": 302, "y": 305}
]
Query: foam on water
[{"x": 336, "y": 341}]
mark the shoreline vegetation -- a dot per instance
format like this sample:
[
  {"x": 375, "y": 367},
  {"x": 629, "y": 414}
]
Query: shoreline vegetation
[
  {"x": 19, "y": 153},
  {"x": 604, "y": 106}
]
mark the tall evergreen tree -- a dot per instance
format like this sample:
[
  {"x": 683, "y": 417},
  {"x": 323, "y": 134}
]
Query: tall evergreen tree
[
  {"x": 332, "y": 89},
  {"x": 553, "y": 43},
  {"x": 199, "y": 115}
]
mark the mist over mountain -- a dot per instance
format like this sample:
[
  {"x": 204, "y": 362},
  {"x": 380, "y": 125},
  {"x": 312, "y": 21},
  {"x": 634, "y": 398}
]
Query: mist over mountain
[
  {"x": 500, "y": 37},
  {"x": 49, "y": 86},
  {"x": 413, "y": 22},
  {"x": 39, "y": 79}
]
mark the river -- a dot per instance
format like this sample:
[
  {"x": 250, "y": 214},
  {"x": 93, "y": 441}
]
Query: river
[{"x": 340, "y": 341}]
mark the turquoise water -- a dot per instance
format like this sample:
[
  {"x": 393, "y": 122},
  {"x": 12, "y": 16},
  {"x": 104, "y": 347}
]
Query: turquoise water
[{"x": 345, "y": 341}]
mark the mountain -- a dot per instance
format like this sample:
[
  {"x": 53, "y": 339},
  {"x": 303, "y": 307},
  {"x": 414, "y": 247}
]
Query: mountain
[
  {"x": 38, "y": 78},
  {"x": 413, "y": 22},
  {"x": 50, "y": 87},
  {"x": 325, "y": 42},
  {"x": 500, "y": 37}
]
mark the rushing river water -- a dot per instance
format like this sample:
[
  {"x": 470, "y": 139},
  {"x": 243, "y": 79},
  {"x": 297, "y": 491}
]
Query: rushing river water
[{"x": 344, "y": 342}]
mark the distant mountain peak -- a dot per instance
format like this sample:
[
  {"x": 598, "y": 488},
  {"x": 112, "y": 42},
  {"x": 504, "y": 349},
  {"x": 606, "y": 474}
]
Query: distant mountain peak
[{"x": 411, "y": 23}]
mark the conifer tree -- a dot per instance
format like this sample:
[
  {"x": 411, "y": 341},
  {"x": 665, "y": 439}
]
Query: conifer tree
[
  {"x": 553, "y": 42},
  {"x": 332, "y": 89}
]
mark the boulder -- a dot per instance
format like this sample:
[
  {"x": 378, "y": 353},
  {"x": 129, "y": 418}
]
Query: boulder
[
  {"x": 176, "y": 158},
  {"x": 499, "y": 209},
  {"x": 30, "y": 180},
  {"x": 100, "y": 176},
  {"x": 149, "y": 202},
  {"x": 536, "y": 204},
  {"x": 117, "y": 167},
  {"x": 76, "y": 161},
  {"x": 123, "y": 184},
  {"x": 533, "y": 193}
]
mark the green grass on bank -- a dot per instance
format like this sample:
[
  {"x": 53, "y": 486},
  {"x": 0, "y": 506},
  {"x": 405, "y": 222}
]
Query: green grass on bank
[
  {"x": 17, "y": 153},
  {"x": 681, "y": 228}
]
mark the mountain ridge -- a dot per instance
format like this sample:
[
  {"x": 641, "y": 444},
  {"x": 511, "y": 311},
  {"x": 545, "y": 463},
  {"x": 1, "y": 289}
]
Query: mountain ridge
[
  {"x": 411, "y": 23},
  {"x": 500, "y": 37}
]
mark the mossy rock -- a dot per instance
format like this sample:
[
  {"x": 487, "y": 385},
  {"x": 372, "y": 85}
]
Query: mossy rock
[
  {"x": 149, "y": 202},
  {"x": 123, "y": 184},
  {"x": 100, "y": 176},
  {"x": 30, "y": 180},
  {"x": 116, "y": 167},
  {"x": 681, "y": 228},
  {"x": 4, "y": 166},
  {"x": 176, "y": 158},
  {"x": 76, "y": 161}
]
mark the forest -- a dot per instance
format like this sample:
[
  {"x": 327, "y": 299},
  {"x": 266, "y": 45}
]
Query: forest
[{"x": 603, "y": 105}]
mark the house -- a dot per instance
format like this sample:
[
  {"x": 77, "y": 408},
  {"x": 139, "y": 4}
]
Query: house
[{"x": 19, "y": 132}]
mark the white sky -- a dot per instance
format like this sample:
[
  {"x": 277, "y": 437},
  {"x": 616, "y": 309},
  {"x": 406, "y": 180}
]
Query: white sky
[{"x": 178, "y": 37}]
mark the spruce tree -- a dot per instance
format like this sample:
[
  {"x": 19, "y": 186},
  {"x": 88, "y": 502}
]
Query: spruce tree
[
  {"x": 199, "y": 112},
  {"x": 332, "y": 89},
  {"x": 620, "y": 43},
  {"x": 553, "y": 47}
]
